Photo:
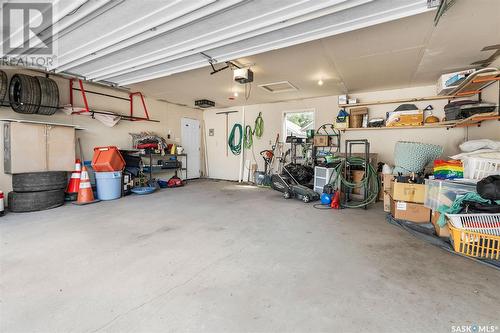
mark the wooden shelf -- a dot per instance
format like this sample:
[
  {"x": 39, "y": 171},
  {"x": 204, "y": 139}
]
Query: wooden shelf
[
  {"x": 396, "y": 101},
  {"x": 475, "y": 120},
  {"x": 476, "y": 82},
  {"x": 473, "y": 85}
]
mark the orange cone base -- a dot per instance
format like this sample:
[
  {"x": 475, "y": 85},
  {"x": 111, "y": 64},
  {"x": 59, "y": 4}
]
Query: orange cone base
[{"x": 85, "y": 203}]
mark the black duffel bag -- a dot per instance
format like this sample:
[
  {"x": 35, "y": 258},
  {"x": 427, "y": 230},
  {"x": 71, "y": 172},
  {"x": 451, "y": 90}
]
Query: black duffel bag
[{"x": 489, "y": 187}]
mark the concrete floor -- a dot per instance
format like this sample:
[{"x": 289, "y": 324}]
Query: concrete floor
[{"x": 219, "y": 257}]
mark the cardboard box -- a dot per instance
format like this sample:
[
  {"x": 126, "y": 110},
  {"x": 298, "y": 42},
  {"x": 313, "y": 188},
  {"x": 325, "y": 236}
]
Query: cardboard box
[
  {"x": 441, "y": 232},
  {"x": 321, "y": 140},
  {"x": 343, "y": 99},
  {"x": 410, "y": 211},
  {"x": 358, "y": 111},
  {"x": 408, "y": 192},
  {"x": 385, "y": 182},
  {"x": 387, "y": 202},
  {"x": 357, "y": 177}
]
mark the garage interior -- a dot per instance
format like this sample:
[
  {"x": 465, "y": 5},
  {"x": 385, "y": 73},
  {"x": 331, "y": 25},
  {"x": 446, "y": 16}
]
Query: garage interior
[{"x": 250, "y": 166}]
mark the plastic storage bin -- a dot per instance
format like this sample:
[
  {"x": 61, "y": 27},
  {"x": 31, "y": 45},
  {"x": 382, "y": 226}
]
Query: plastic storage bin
[
  {"x": 109, "y": 185},
  {"x": 478, "y": 168},
  {"x": 107, "y": 159},
  {"x": 444, "y": 192}
]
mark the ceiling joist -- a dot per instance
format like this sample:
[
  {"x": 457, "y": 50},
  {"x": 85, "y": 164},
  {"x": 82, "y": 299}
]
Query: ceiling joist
[{"x": 126, "y": 42}]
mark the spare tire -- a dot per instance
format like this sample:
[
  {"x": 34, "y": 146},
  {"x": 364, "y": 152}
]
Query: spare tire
[
  {"x": 20, "y": 202},
  {"x": 39, "y": 181},
  {"x": 3, "y": 86},
  {"x": 49, "y": 99},
  {"x": 24, "y": 93}
]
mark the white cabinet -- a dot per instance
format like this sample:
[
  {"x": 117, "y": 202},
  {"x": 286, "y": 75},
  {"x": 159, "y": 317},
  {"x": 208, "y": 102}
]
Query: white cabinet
[{"x": 32, "y": 147}]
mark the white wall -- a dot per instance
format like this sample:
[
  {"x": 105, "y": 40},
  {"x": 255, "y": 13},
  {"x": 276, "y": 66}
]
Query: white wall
[
  {"x": 95, "y": 133},
  {"x": 326, "y": 109}
]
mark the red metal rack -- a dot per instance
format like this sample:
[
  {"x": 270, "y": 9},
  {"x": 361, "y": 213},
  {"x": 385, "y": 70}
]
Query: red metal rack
[{"x": 87, "y": 109}]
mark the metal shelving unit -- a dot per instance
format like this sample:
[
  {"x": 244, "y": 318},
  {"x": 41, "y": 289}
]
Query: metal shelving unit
[{"x": 156, "y": 168}]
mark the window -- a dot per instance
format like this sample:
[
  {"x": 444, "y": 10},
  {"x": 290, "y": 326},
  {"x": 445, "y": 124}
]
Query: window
[{"x": 297, "y": 123}]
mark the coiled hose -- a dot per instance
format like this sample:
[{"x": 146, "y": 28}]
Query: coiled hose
[
  {"x": 248, "y": 137},
  {"x": 235, "y": 147},
  {"x": 370, "y": 181},
  {"x": 258, "y": 129}
]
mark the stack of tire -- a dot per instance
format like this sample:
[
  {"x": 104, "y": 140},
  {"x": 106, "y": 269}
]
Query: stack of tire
[
  {"x": 3, "y": 87},
  {"x": 31, "y": 94},
  {"x": 37, "y": 191}
]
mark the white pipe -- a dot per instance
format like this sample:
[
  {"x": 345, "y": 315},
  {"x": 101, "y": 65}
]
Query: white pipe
[{"x": 242, "y": 155}]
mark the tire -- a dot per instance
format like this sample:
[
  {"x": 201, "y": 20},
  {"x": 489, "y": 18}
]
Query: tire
[
  {"x": 287, "y": 195},
  {"x": 306, "y": 199},
  {"x": 39, "y": 181},
  {"x": 3, "y": 86},
  {"x": 24, "y": 94},
  {"x": 49, "y": 96},
  {"x": 34, "y": 201}
]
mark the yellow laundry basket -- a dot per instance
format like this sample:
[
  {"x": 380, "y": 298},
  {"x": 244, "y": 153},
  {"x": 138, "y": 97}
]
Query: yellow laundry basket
[{"x": 475, "y": 244}]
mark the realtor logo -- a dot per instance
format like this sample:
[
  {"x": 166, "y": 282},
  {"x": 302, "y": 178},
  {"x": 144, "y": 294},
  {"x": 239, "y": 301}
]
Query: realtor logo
[
  {"x": 27, "y": 34},
  {"x": 24, "y": 26}
]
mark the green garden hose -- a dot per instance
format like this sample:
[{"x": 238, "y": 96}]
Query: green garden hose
[
  {"x": 370, "y": 181},
  {"x": 235, "y": 147},
  {"x": 259, "y": 126},
  {"x": 248, "y": 137}
]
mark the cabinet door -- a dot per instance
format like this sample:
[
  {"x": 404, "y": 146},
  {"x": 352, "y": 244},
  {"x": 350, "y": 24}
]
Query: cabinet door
[
  {"x": 28, "y": 151},
  {"x": 60, "y": 148}
]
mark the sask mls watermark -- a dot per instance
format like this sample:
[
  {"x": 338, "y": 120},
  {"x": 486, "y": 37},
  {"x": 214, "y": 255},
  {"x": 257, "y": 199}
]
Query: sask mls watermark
[
  {"x": 27, "y": 38},
  {"x": 474, "y": 328}
]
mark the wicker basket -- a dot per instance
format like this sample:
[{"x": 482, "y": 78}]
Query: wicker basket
[{"x": 356, "y": 121}]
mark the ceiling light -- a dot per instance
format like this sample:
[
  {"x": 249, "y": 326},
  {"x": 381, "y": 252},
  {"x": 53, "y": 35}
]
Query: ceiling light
[
  {"x": 235, "y": 94},
  {"x": 320, "y": 82}
]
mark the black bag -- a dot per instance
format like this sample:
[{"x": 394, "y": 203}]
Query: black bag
[
  {"x": 489, "y": 187},
  {"x": 474, "y": 207}
]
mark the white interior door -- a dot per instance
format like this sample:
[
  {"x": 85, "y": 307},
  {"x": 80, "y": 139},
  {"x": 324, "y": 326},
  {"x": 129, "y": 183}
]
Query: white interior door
[{"x": 190, "y": 136}]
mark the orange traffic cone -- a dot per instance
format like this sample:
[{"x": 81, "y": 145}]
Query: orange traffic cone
[
  {"x": 74, "y": 182},
  {"x": 85, "y": 194}
]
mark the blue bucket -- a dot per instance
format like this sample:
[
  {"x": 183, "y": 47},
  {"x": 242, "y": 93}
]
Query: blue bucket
[{"x": 109, "y": 185}]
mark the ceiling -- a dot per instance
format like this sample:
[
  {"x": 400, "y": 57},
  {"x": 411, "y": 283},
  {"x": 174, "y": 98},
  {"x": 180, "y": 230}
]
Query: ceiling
[
  {"x": 401, "y": 53},
  {"x": 161, "y": 47},
  {"x": 126, "y": 41}
]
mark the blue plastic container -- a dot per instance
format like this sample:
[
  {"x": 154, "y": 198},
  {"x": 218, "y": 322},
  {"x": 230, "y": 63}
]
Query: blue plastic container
[{"x": 109, "y": 185}]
